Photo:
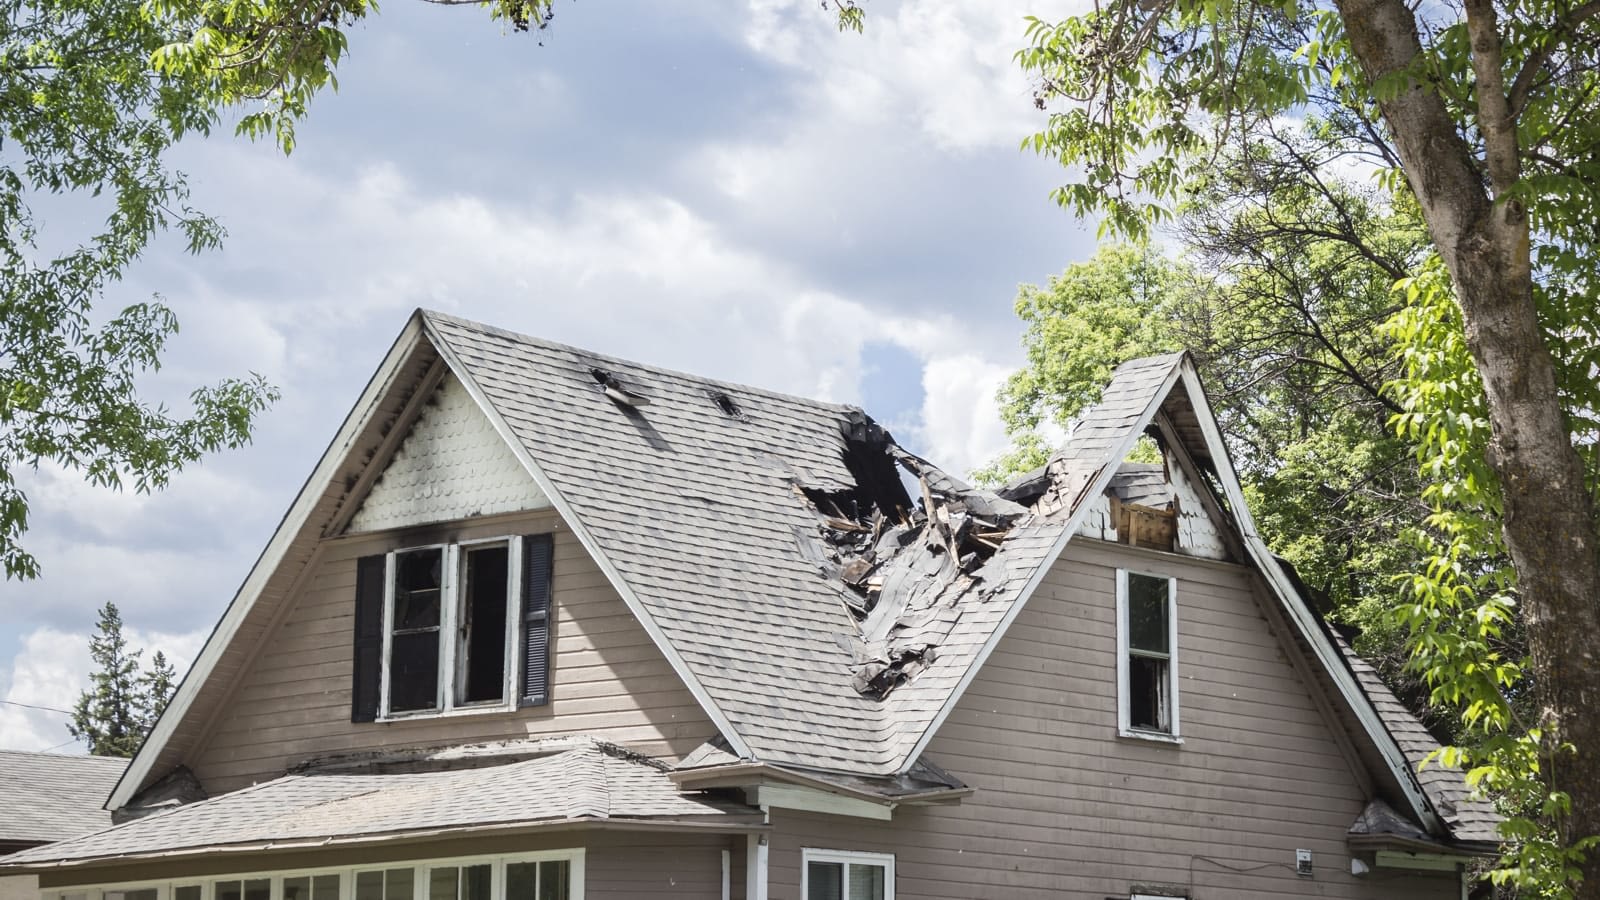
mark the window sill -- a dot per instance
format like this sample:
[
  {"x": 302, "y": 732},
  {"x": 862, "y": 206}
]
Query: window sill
[
  {"x": 1155, "y": 737},
  {"x": 447, "y": 714}
]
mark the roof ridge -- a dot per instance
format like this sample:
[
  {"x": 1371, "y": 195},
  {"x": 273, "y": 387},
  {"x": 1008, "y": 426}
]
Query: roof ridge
[{"x": 600, "y": 356}]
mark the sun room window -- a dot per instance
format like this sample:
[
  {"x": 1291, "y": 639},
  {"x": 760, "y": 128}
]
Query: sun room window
[{"x": 1147, "y": 656}]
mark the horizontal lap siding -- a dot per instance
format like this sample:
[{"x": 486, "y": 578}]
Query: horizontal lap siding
[
  {"x": 293, "y": 700},
  {"x": 1065, "y": 809}
]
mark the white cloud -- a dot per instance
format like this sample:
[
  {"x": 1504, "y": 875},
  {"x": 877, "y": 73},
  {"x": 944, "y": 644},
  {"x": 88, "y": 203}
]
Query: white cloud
[
  {"x": 960, "y": 418},
  {"x": 50, "y": 671},
  {"x": 944, "y": 65}
]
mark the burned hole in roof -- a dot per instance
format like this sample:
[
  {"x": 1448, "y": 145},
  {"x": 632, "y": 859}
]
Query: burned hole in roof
[
  {"x": 899, "y": 559},
  {"x": 613, "y": 389},
  {"x": 728, "y": 405}
]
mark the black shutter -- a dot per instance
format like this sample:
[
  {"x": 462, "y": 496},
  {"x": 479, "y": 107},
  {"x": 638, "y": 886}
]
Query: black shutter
[
  {"x": 368, "y": 656},
  {"x": 536, "y": 569}
]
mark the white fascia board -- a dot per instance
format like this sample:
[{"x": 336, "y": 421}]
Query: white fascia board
[
  {"x": 1108, "y": 470},
  {"x": 294, "y": 520},
  {"x": 1299, "y": 613},
  {"x": 621, "y": 585},
  {"x": 788, "y": 796}
]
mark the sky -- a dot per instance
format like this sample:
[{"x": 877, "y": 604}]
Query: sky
[{"x": 728, "y": 187}]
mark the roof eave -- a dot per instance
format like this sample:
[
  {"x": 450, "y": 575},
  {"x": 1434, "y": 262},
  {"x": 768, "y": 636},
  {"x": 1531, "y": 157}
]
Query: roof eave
[{"x": 731, "y": 823}]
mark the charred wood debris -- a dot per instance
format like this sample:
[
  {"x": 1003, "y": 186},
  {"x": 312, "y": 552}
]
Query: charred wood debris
[{"x": 902, "y": 562}]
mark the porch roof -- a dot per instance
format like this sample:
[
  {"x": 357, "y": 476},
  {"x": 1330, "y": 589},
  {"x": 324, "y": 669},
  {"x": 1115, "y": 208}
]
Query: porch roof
[{"x": 593, "y": 785}]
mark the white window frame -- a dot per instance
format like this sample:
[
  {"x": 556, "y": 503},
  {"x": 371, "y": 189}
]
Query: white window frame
[
  {"x": 575, "y": 856},
  {"x": 808, "y": 855},
  {"x": 451, "y": 578},
  {"x": 1124, "y": 714}
]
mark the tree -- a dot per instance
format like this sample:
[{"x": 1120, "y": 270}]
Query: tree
[
  {"x": 123, "y": 701},
  {"x": 110, "y": 715},
  {"x": 156, "y": 688},
  {"x": 1482, "y": 118}
]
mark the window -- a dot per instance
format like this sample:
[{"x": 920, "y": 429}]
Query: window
[
  {"x": 1147, "y": 656},
  {"x": 845, "y": 875},
  {"x": 545, "y": 875},
  {"x": 452, "y": 627}
]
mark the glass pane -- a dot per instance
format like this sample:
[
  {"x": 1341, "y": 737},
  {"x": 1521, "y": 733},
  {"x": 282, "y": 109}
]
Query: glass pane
[
  {"x": 1147, "y": 613},
  {"x": 258, "y": 889},
  {"x": 416, "y": 589},
  {"x": 141, "y": 894},
  {"x": 297, "y": 888},
  {"x": 324, "y": 887},
  {"x": 369, "y": 886},
  {"x": 866, "y": 882},
  {"x": 185, "y": 892},
  {"x": 397, "y": 884},
  {"x": 414, "y": 671},
  {"x": 229, "y": 890},
  {"x": 475, "y": 882},
  {"x": 1147, "y": 694},
  {"x": 442, "y": 883},
  {"x": 483, "y": 624},
  {"x": 553, "y": 879},
  {"x": 522, "y": 881},
  {"x": 825, "y": 881}
]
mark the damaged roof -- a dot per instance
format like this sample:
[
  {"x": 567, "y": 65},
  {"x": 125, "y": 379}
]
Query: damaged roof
[
  {"x": 672, "y": 488},
  {"x": 594, "y": 783},
  {"x": 825, "y": 616}
]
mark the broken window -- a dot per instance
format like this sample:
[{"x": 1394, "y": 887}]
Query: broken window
[
  {"x": 843, "y": 875},
  {"x": 481, "y": 645},
  {"x": 1147, "y": 661},
  {"x": 450, "y": 627}
]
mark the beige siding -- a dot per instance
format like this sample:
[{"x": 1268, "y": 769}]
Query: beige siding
[
  {"x": 292, "y": 702},
  {"x": 1066, "y": 809},
  {"x": 19, "y": 887}
]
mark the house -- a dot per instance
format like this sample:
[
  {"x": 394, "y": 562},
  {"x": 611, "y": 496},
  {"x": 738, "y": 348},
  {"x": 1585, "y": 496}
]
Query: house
[
  {"x": 47, "y": 797},
  {"x": 545, "y": 624}
]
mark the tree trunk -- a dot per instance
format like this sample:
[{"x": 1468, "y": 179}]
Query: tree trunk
[{"x": 1549, "y": 523}]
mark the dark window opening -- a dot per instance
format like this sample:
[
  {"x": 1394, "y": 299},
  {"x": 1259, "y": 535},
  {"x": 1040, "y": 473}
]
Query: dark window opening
[
  {"x": 482, "y": 648},
  {"x": 1147, "y": 694},
  {"x": 414, "y": 642}
]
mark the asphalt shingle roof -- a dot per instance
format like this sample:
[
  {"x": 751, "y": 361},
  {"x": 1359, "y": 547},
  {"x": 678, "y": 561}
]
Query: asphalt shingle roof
[
  {"x": 47, "y": 797},
  {"x": 594, "y": 782},
  {"x": 1469, "y": 819},
  {"x": 698, "y": 509}
]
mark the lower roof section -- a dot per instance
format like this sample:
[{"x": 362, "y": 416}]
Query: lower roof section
[{"x": 594, "y": 784}]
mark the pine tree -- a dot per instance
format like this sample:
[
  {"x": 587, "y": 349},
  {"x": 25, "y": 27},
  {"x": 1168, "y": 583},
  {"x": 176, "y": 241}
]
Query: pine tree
[
  {"x": 110, "y": 715},
  {"x": 156, "y": 688}
]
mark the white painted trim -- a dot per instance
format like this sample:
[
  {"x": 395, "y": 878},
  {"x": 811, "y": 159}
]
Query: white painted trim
[
  {"x": 1095, "y": 488},
  {"x": 1299, "y": 613},
  {"x": 577, "y": 856},
  {"x": 755, "y": 867},
  {"x": 450, "y": 674},
  {"x": 727, "y": 875},
  {"x": 1124, "y": 713},
  {"x": 632, "y": 600},
  {"x": 1428, "y": 862},
  {"x": 293, "y": 522},
  {"x": 789, "y": 796},
  {"x": 809, "y": 855}
]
